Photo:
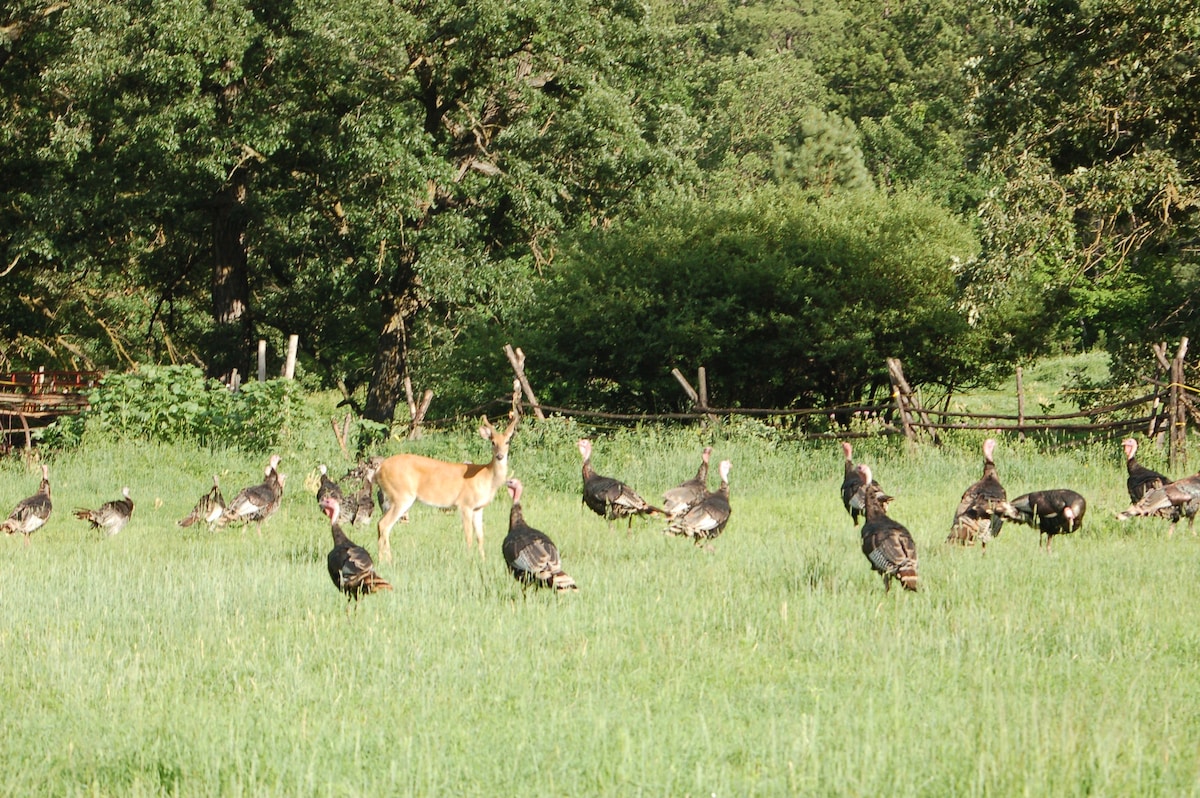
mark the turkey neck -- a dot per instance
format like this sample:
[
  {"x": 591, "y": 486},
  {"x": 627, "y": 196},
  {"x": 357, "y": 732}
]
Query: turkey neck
[
  {"x": 515, "y": 517},
  {"x": 339, "y": 537},
  {"x": 873, "y": 509}
]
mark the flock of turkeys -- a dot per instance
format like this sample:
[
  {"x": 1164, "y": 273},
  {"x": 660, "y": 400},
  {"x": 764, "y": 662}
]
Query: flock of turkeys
[{"x": 689, "y": 510}]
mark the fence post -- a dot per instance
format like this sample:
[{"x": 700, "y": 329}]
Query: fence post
[
  {"x": 516, "y": 359},
  {"x": 289, "y": 368},
  {"x": 1020, "y": 406},
  {"x": 262, "y": 360},
  {"x": 1160, "y": 354},
  {"x": 1178, "y": 451},
  {"x": 899, "y": 392}
]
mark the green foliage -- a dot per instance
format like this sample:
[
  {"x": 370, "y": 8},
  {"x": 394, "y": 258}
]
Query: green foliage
[
  {"x": 1086, "y": 111},
  {"x": 820, "y": 291},
  {"x": 177, "y": 404}
]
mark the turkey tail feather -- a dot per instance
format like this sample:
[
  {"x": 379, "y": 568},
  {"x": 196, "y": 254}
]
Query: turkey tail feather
[
  {"x": 374, "y": 582},
  {"x": 908, "y": 577},
  {"x": 561, "y": 581}
]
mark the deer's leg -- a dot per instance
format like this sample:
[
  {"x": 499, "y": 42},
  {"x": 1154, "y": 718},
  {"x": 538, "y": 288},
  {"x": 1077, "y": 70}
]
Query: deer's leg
[
  {"x": 387, "y": 521},
  {"x": 473, "y": 528}
]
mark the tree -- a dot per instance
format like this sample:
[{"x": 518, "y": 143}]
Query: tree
[
  {"x": 336, "y": 171},
  {"x": 1087, "y": 117}
]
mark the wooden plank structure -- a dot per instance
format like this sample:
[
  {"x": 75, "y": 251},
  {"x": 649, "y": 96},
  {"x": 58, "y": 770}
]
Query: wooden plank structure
[{"x": 31, "y": 400}]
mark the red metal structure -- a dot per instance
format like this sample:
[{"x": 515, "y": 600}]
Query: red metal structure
[{"x": 33, "y": 399}]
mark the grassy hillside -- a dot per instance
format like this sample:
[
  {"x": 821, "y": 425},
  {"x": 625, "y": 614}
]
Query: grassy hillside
[{"x": 165, "y": 661}]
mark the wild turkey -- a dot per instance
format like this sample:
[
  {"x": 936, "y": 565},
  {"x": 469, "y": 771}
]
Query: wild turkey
[
  {"x": 1180, "y": 498},
  {"x": 886, "y": 543},
  {"x": 976, "y": 517},
  {"x": 678, "y": 499},
  {"x": 327, "y": 487},
  {"x": 31, "y": 513},
  {"x": 610, "y": 498},
  {"x": 258, "y": 502},
  {"x": 110, "y": 516},
  {"x": 1141, "y": 480},
  {"x": 362, "y": 506},
  {"x": 707, "y": 518},
  {"x": 1053, "y": 512},
  {"x": 853, "y": 495},
  {"x": 350, "y": 566},
  {"x": 531, "y": 557},
  {"x": 208, "y": 509}
]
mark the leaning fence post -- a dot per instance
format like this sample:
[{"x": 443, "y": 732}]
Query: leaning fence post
[
  {"x": 899, "y": 386},
  {"x": 516, "y": 359}
]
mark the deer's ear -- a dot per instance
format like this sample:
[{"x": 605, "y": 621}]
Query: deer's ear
[{"x": 485, "y": 431}]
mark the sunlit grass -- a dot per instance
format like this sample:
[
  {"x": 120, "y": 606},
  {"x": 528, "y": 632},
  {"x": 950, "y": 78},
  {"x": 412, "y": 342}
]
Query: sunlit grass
[{"x": 165, "y": 661}]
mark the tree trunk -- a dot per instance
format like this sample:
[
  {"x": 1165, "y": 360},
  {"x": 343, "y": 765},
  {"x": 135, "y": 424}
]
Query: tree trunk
[
  {"x": 233, "y": 333},
  {"x": 391, "y": 352}
]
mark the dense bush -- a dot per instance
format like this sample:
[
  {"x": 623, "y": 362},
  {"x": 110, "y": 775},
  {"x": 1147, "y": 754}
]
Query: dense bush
[
  {"x": 177, "y": 403},
  {"x": 785, "y": 299}
]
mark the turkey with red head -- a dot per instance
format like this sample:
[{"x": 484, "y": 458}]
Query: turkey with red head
[
  {"x": 1174, "y": 500},
  {"x": 531, "y": 556},
  {"x": 1141, "y": 480},
  {"x": 351, "y": 568},
  {"x": 853, "y": 492}
]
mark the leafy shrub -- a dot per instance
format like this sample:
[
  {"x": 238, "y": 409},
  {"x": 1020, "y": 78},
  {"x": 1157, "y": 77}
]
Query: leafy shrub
[
  {"x": 785, "y": 298},
  {"x": 174, "y": 404}
]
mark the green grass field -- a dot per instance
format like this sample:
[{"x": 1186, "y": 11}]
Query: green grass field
[{"x": 176, "y": 662}]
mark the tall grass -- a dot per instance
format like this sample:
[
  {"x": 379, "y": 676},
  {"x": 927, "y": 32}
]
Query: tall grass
[{"x": 167, "y": 661}]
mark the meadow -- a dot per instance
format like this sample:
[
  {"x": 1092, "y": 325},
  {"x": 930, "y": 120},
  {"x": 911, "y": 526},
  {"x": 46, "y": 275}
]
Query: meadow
[{"x": 165, "y": 661}]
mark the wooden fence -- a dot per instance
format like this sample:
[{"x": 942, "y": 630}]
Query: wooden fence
[{"x": 1168, "y": 405}]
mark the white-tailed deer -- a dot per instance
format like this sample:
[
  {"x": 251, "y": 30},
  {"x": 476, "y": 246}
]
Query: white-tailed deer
[{"x": 408, "y": 478}]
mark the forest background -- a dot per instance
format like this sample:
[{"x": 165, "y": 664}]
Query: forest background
[{"x": 783, "y": 192}]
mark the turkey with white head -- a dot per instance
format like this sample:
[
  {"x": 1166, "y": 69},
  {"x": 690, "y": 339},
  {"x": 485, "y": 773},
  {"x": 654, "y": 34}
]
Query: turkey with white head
[
  {"x": 608, "y": 497},
  {"x": 977, "y": 516},
  {"x": 707, "y": 518},
  {"x": 110, "y": 516},
  {"x": 1058, "y": 511},
  {"x": 886, "y": 543},
  {"x": 258, "y": 502}
]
